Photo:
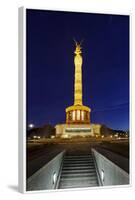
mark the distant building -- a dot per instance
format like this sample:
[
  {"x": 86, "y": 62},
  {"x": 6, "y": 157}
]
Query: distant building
[{"x": 45, "y": 131}]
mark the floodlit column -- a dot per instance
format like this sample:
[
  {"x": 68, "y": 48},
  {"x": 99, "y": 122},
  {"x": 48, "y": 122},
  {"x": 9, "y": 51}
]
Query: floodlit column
[{"x": 78, "y": 76}]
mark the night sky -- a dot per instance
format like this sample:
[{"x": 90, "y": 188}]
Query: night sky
[{"x": 50, "y": 66}]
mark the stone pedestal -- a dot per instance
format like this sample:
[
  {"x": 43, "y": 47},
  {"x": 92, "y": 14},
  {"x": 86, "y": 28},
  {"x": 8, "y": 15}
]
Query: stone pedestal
[{"x": 74, "y": 130}]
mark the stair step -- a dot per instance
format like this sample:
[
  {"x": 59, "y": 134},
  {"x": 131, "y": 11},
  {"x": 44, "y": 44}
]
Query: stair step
[
  {"x": 80, "y": 156},
  {"x": 78, "y": 183},
  {"x": 78, "y": 170},
  {"x": 78, "y": 161},
  {"x": 70, "y": 161},
  {"x": 86, "y": 158},
  {"x": 78, "y": 186},
  {"x": 76, "y": 164},
  {"x": 79, "y": 178},
  {"x": 79, "y": 175},
  {"x": 78, "y": 167}
]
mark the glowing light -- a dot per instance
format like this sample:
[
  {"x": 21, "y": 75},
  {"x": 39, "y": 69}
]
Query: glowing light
[
  {"x": 31, "y": 125},
  {"x": 54, "y": 177},
  {"x": 75, "y": 129},
  {"x": 65, "y": 136},
  {"x": 116, "y": 135},
  {"x": 73, "y": 115},
  {"x": 82, "y": 114},
  {"x": 78, "y": 114},
  {"x": 102, "y": 175}
]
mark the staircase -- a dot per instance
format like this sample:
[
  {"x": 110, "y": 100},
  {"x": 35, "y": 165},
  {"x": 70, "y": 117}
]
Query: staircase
[{"x": 78, "y": 171}]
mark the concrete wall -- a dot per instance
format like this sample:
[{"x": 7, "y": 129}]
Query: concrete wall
[
  {"x": 109, "y": 172},
  {"x": 43, "y": 178}
]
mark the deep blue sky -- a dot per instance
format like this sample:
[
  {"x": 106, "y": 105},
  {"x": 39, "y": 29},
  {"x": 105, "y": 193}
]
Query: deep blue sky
[{"x": 50, "y": 66}]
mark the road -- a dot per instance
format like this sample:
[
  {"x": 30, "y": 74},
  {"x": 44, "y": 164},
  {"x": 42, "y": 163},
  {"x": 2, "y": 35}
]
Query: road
[{"x": 38, "y": 154}]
